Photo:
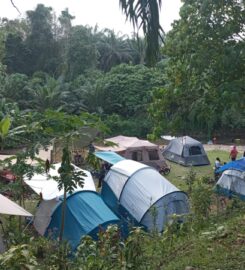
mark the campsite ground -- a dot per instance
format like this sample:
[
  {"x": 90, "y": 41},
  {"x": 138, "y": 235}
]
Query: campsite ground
[
  {"x": 219, "y": 244},
  {"x": 216, "y": 243},
  {"x": 178, "y": 172}
]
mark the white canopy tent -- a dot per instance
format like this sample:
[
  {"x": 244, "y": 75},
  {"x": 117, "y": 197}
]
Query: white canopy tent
[{"x": 42, "y": 183}]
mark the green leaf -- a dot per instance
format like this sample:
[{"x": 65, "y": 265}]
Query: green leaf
[{"x": 4, "y": 126}]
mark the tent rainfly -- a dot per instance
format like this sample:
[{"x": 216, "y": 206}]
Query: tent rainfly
[
  {"x": 186, "y": 151},
  {"x": 133, "y": 190},
  {"x": 238, "y": 165},
  {"x": 231, "y": 182},
  {"x": 41, "y": 183},
  {"x": 86, "y": 214}
]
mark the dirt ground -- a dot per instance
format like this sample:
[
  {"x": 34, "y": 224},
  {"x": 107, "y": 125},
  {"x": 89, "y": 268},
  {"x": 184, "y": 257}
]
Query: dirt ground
[{"x": 240, "y": 148}]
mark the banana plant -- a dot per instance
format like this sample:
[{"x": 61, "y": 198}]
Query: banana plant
[
  {"x": 4, "y": 129},
  {"x": 6, "y": 132}
]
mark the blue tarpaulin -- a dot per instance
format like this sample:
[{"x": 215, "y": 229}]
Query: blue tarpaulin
[
  {"x": 236, "y": 165},
  {"x": 108, "y": 156},
  {"x": 86, "y": 214}
]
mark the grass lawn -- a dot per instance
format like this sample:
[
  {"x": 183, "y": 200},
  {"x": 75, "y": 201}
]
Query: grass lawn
[
  {"x": 178, "y": 172},
  {"x": 217, "y": 247}
]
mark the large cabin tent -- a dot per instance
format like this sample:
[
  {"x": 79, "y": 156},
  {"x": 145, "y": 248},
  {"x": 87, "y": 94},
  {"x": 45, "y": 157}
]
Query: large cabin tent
[
  {"x": 134, "y": 190},
  {"x": 86, "y": 214},
  {"x": 139, "y": 150},
  {"x": 186, "y": 151}
]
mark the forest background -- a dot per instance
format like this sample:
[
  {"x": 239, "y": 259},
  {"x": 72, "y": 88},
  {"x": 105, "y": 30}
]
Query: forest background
[{"x": 195, "y": 88}]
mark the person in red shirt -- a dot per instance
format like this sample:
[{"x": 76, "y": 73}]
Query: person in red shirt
[{"x": 233, "y": 153}]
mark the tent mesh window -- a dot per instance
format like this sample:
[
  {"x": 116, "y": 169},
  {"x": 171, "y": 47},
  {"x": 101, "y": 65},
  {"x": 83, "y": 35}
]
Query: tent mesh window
[
  {"x": 137, "y": 156},
  {"x": 153, "y": 155},
  {"x": 195, "y": 150}
]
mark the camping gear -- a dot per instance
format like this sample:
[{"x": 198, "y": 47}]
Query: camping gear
[
  {"x": 236, "y": 165},
  {"x": 231, "y": 182},
  {"x": 186, "y": 151},
  {"x": 139, "y": 150},
  {"x": 86, "y": 214},
  {"x": 42, "y": 183},
  {"x": 168, "y": 137},
  {"x": 134, "y": 191},
  {"x": 6, "y": 176}
]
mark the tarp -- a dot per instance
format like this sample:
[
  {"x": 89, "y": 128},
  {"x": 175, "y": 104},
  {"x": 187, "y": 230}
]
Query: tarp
[
  {"x": 137, "y": 188},
  {"x": 236, "y": 165},
  {"x": 41, "y": 183},
  {"x": 168, "y": 137},
  {"x": 108, "y": 156},
  {"x": 9, "y": 207},
  {"x": 43, "y": 215},
  {"x": 86, "y": 214}
]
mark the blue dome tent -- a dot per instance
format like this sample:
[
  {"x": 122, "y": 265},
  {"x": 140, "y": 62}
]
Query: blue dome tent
[
  {"x": 86, "y": 214},
  {"x": 238, "y": 165},
  {"x": 232, "y": 180},
  {"x": 133, "y": 190}
]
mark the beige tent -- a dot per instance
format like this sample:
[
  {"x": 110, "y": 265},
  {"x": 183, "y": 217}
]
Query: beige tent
[
  {"x": 138, "y": 150},
  {"x": 10, "y": 208}
]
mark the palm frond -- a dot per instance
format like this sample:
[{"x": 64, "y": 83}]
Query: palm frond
[{"x": 145, "y": 14}]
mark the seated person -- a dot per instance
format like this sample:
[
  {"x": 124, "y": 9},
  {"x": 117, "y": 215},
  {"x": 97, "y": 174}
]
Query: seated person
[{"x": 217, "y": 163}]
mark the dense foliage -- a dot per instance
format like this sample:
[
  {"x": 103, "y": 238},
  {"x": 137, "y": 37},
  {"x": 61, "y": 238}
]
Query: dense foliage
[
  {"x": 46, "y": 63},
  {"x": 205, "y": 77},
  {"x": 198, "y": 85}
]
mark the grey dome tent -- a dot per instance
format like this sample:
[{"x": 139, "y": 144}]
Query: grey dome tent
[
  {"x": 186, "y": 151},
  {"x": 232, "y": 182},
  {"x": 133, "y": 190}
]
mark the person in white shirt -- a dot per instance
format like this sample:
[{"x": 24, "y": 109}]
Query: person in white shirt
[{"x": 217, "y": 163}]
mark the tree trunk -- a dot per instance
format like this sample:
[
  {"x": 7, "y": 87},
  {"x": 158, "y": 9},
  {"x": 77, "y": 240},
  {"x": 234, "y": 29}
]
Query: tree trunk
[{"x": 63, "y": 217}]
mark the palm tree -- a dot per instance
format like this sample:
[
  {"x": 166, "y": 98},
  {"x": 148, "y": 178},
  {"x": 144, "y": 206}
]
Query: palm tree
[
  {"x": 137, "y": 45},
  {"x": 114, "y": 50},
  {"x": 48, "y": 95},
  {"x": 145, "y": 14}
]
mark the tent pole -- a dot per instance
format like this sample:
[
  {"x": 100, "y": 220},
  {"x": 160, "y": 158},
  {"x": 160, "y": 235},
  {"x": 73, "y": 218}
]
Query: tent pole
[{"x": 28, "y": 224}]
